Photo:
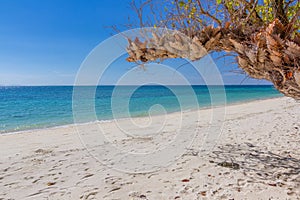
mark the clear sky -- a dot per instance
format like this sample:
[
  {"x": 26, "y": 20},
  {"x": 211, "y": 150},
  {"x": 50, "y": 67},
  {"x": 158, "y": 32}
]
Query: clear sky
[{"x": 44, "y": 42}]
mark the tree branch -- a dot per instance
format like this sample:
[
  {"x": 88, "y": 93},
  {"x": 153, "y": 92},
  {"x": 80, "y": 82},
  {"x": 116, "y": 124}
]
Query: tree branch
[
  {"x": 280, "y": 12},
  {"x": 252, "y": 10},
  {"x": 202, "y": 11}
]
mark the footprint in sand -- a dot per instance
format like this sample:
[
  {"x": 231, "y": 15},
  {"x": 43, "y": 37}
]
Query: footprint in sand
[
  {"x": 42, "y": 151},
  {"x": 89, "y": 195},
  {"x": 87, "y": 176}
]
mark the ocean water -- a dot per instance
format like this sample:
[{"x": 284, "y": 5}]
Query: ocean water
[{"x": 23, "y": 108}]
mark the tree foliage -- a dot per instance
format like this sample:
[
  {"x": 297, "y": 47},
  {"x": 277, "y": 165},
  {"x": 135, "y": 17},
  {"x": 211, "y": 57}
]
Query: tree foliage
[{"x": 195, "y": 14}]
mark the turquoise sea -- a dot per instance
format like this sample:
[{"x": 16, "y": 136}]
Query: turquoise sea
[{"x": 31, "y": 107}]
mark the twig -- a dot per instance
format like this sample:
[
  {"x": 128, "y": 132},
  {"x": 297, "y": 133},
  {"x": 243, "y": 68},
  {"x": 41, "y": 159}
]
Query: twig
[{"x": 208, "y": 14}]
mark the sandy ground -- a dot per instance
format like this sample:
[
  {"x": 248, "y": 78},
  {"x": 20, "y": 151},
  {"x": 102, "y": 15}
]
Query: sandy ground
[{"x": 256, "y": 156}]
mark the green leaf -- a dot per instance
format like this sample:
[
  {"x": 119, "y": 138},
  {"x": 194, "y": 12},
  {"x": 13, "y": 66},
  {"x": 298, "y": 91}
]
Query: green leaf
[{"x": 181, "y": 4}]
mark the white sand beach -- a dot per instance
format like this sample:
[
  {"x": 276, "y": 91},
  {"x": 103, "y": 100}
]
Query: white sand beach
[{"x": 257, "y": 156}]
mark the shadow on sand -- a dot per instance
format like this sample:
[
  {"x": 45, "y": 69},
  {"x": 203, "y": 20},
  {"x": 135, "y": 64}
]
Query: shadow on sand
[{"x": 261, "y": 166}]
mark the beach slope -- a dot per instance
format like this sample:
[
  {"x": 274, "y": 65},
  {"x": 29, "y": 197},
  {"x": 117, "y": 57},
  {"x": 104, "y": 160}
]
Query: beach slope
[{"x": 257, "y": 156}]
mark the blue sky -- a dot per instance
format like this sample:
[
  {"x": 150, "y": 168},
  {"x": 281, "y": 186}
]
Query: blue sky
[{"x": 45, "y": 42}]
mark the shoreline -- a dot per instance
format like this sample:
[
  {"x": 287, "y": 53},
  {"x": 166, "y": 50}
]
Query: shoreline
[
  {"x": 261, "y": 138},
  {"x": 110, "y": 120}
]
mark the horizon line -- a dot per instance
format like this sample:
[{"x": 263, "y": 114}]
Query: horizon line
[{"x": 132, "y": 85}]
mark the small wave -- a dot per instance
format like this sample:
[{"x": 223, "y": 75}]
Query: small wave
[{"x": 18, "y": 116}]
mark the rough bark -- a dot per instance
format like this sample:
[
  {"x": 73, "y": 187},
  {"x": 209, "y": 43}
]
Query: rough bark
[{"x": 266, "y": 53}]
